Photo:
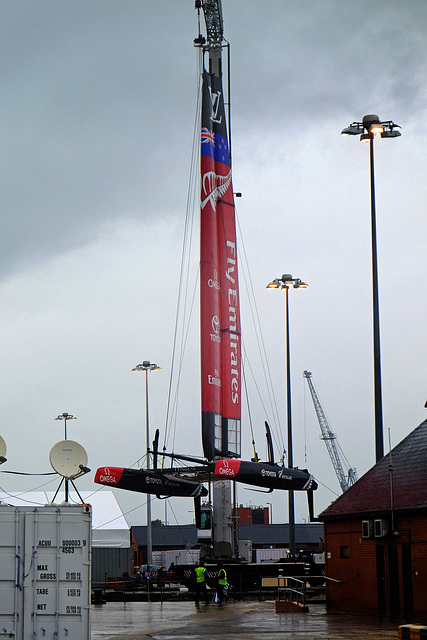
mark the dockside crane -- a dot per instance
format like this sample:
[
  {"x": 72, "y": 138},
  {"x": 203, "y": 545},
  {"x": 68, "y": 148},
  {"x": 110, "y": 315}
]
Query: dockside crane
[{"x": 330, "y": 440}]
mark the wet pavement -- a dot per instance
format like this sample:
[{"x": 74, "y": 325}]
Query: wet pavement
[{"x": 253, "y": 620}]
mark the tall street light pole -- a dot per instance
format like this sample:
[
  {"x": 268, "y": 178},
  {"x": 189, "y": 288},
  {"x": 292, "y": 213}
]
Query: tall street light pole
[
  {"x": 368, "y": 129},
  {"x": 147, "y": 366},
  {"x": 285, "y": 282},
  {"x": 65, "y": 416}
]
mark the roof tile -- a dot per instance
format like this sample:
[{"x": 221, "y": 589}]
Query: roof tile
[{"x": 399, "y": 480}]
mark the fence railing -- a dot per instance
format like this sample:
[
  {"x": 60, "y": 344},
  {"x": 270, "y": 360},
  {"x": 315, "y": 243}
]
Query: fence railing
[
  {"x": 298, "y": 589},
  {"x": 292, "y": 590}
]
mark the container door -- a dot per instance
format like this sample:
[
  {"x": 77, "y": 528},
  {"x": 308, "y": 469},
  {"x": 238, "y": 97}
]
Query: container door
[
  {"x": 11, "y": 571},
  {"x": 57, "y": 587}
]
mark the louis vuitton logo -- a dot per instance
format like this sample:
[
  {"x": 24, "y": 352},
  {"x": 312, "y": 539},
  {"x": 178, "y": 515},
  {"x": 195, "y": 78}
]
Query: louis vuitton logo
[{"x": 215, "y": 104}]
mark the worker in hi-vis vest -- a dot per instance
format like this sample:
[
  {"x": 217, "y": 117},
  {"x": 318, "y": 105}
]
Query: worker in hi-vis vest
[
  {"x": 201, "y": 575},
  {"x": 221, "y": 589}
]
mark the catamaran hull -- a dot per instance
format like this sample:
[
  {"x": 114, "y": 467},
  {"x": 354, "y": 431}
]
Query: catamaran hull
[
  {"x": 270, "y": 476},
  {"x": 144, "y": 481}
]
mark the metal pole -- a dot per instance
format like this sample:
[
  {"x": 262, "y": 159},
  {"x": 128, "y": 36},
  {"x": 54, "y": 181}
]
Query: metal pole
[
  {"x": 289, "y": 428},
  {"x": 379, "y": 440},
  {"x": 66, "y": 481},
  {"x": 147, "y": 434}
]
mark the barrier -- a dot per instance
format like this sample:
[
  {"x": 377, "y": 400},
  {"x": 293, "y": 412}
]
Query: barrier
[{"x": 412, "y": 632}]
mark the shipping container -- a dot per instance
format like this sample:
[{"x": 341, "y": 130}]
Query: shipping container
[
  {"x": 270, "y": 555},
  {"x": 176, "y": 557},
  {"x": 45, "y": 557},
  {"x": 245, "y": 550}
]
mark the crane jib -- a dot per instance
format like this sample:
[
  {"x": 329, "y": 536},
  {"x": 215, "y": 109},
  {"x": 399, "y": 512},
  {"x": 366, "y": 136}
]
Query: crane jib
[{"x": 330, "y": 439}]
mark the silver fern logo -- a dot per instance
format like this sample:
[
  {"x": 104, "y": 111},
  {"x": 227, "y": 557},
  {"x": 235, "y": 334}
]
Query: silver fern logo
[{"x": 214, "y": 187}]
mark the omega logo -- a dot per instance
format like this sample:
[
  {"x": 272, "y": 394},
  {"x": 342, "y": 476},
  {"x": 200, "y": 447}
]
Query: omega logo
[
  {"x": 215, "y": 324},
  {"x": 213, "y": 283}
]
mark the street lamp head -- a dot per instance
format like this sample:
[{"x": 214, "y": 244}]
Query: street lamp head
[
  {"x": 353, "y": 130},
  {"x": 372, "y": 123},
  {"x": 287, "y": 281},
  {"x": 370, "y": 126},
  {"x": 274, "y": 284},
  {"x": 146, "y": 366},
  {"x": 391, "y": 133},
  {"x": 65, "y": 416},
  {"x": 299, "y": 284}
]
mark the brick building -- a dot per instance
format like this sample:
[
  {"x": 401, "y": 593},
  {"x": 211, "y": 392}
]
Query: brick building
[
  {"x": 376, "y": 535},
  {"x": 252, "y": 515}
]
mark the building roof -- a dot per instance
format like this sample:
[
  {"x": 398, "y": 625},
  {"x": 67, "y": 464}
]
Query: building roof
[
  {"x": 278, "y": 534},
  {"x": 398, "y": 481},
  {"x": 259, "y": 534},
  {"x": 171, "y": 535}
]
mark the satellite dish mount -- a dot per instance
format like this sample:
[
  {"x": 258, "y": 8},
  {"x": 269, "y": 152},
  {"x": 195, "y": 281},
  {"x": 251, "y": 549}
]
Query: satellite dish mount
[
  {"x": 2, "y": 451},
  {"x": 69, "y": 460}
]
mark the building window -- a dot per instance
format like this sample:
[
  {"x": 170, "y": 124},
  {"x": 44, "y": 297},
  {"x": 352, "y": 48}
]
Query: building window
[{"x": 343, "y": 552}]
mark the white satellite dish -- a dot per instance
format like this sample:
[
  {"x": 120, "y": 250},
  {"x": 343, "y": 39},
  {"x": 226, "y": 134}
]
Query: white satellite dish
[
  {"x": 2, "y": 450},
  {"x": 67, "y": 458}
]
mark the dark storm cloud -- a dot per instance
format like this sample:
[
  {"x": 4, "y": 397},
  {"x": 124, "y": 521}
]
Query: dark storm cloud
[
  {"x": 84, "y": 121},
  {"x": 96, "y": 98},
  {"x": 308, "y": 61}
]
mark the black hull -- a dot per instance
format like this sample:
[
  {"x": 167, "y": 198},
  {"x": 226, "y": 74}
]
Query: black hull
[
  {"x": 263, "y": 474},
  {"x": 145, "y": 481}
]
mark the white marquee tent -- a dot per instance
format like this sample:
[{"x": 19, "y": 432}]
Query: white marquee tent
[{"x": 109, "y": 526}]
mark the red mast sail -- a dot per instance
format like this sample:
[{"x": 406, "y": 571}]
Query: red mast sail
[{"x": 219, "y": 286}]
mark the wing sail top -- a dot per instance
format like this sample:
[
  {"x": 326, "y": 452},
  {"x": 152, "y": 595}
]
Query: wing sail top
[{"x": 219, "y": 286}]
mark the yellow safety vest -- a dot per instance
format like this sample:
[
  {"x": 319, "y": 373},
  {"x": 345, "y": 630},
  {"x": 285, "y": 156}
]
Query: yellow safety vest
[
  {"x": 200, "y": 574},
  {"x": 222, "y": 577}
]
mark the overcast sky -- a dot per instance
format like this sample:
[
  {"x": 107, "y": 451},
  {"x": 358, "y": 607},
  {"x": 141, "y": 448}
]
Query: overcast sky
[{"x": 97, "y": 108}]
